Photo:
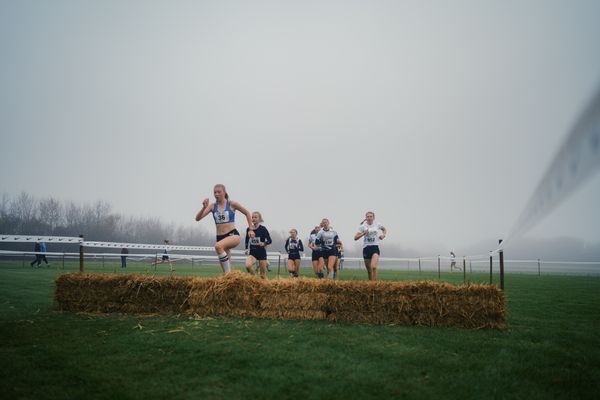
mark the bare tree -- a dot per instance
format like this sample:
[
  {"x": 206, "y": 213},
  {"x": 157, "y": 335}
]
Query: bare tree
[
  {"x": 73, "y": 218},
  {"x": 4, "y": 202},
  {"x": 192, "y": 236},
  {"x": 24, "y": 209},
  {"x": 148, "y": 229},
  {"x": 51, "y": 213},
  {"x": 103, "y": 224},
  {"x": 7, "y": 222}
]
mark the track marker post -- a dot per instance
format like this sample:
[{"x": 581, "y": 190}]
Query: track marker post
[
  {"x": 419, "y": 265},
  {"x": 539, "y": 269},
  {"x": 491, "y": 263},
  {"x": 439, "y": 271},
  {"x": 501, "y": 253},
  {"x": 464, "y": 270},
  {"x": 278, "y": 265},
  {"x": 81, "y": 254}
]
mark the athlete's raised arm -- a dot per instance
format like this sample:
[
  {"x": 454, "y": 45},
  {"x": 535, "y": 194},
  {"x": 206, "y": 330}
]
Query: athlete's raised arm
[{"x": 206, "y": 207}]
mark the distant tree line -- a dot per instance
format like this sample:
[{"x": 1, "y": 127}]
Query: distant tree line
[{"x": 25, "y": 214}]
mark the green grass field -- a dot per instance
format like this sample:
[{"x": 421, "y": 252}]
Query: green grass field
[{"x": 551, "y": 350}]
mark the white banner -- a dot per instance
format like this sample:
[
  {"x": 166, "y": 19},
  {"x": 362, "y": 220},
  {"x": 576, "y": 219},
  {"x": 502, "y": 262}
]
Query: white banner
[
  {"x": 116, "y": 245},
  {"x": 33, "y": 239}
]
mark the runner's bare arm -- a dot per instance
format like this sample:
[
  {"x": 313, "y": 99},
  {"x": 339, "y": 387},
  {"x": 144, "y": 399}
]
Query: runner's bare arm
[
  {"x": 206, "y": 207},
  {"x": 243, "y": 210}
]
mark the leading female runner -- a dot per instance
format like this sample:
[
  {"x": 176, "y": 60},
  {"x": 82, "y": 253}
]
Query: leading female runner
[{"x": 223, "y": 212}]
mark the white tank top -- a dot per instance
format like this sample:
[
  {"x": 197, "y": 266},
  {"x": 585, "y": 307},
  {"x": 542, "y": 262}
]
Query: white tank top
[{"x": 372, "y": 237}]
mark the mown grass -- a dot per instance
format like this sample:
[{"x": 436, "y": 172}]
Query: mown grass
[{"x": 551, "y": 350}]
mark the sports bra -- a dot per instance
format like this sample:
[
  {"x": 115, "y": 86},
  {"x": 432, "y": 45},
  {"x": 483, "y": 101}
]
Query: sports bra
[{"x": 228, "y": 215}]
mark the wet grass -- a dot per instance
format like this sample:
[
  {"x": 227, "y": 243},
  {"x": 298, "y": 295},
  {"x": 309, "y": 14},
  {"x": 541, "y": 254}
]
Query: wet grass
[{"x": 551, "y": 350}]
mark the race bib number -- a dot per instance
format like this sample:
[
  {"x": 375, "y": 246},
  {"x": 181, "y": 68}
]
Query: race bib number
[
  {"x": 370, "y": 239},
  {"x": 328, "y": 242},
  {"x": 293, "y": 246},
  {"x": 255, "y": 241},
  {"x": 222, "y": 217}
]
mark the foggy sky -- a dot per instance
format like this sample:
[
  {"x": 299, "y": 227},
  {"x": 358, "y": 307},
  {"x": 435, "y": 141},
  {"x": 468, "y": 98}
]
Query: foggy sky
[{"x": 440, "y": 117}]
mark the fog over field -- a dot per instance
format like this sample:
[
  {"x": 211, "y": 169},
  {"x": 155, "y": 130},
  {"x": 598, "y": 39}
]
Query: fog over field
[{"x": 441, "y": 117}]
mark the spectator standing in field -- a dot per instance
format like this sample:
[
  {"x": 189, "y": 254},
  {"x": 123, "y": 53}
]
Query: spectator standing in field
[
  {"x": 223, "y": 212},
  {"x": 38, "y": 257},
  {"x": 124, "y": 252},
  {"x": 165, "y": 256},
  {"x": 317, "y": 257},
  {"x": 294, "y": 246},
  {"x": 256, "y": 246},
  {"x": 43, "y": 250},
  {"x": 327, "y": 238},
  {"x": 371, "y": 232}
]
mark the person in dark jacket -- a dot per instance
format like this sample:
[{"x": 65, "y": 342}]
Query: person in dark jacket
[
  {"x": 294, "y": 246},
  {"x": 256, "y": 245},
  {"x": 124, "y": 252},
  {"x": 38, "y": 257}
]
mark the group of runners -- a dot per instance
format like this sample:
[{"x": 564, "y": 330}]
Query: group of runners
[{"x": 324, "y": 242}]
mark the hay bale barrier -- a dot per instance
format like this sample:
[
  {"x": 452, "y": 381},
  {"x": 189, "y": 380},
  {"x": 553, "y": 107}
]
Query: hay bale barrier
[
  {"x": 422, "y": 303},
  {"x": 121, "y": 293}
]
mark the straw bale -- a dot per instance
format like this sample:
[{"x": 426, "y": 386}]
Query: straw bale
[
  {"x": 121, "y": 293},
  {"x": 424, "y": 303}
]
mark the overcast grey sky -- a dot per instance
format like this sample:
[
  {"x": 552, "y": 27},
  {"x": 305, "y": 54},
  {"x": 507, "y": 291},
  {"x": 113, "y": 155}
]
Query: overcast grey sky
[{"x": 440, "y": 116}]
